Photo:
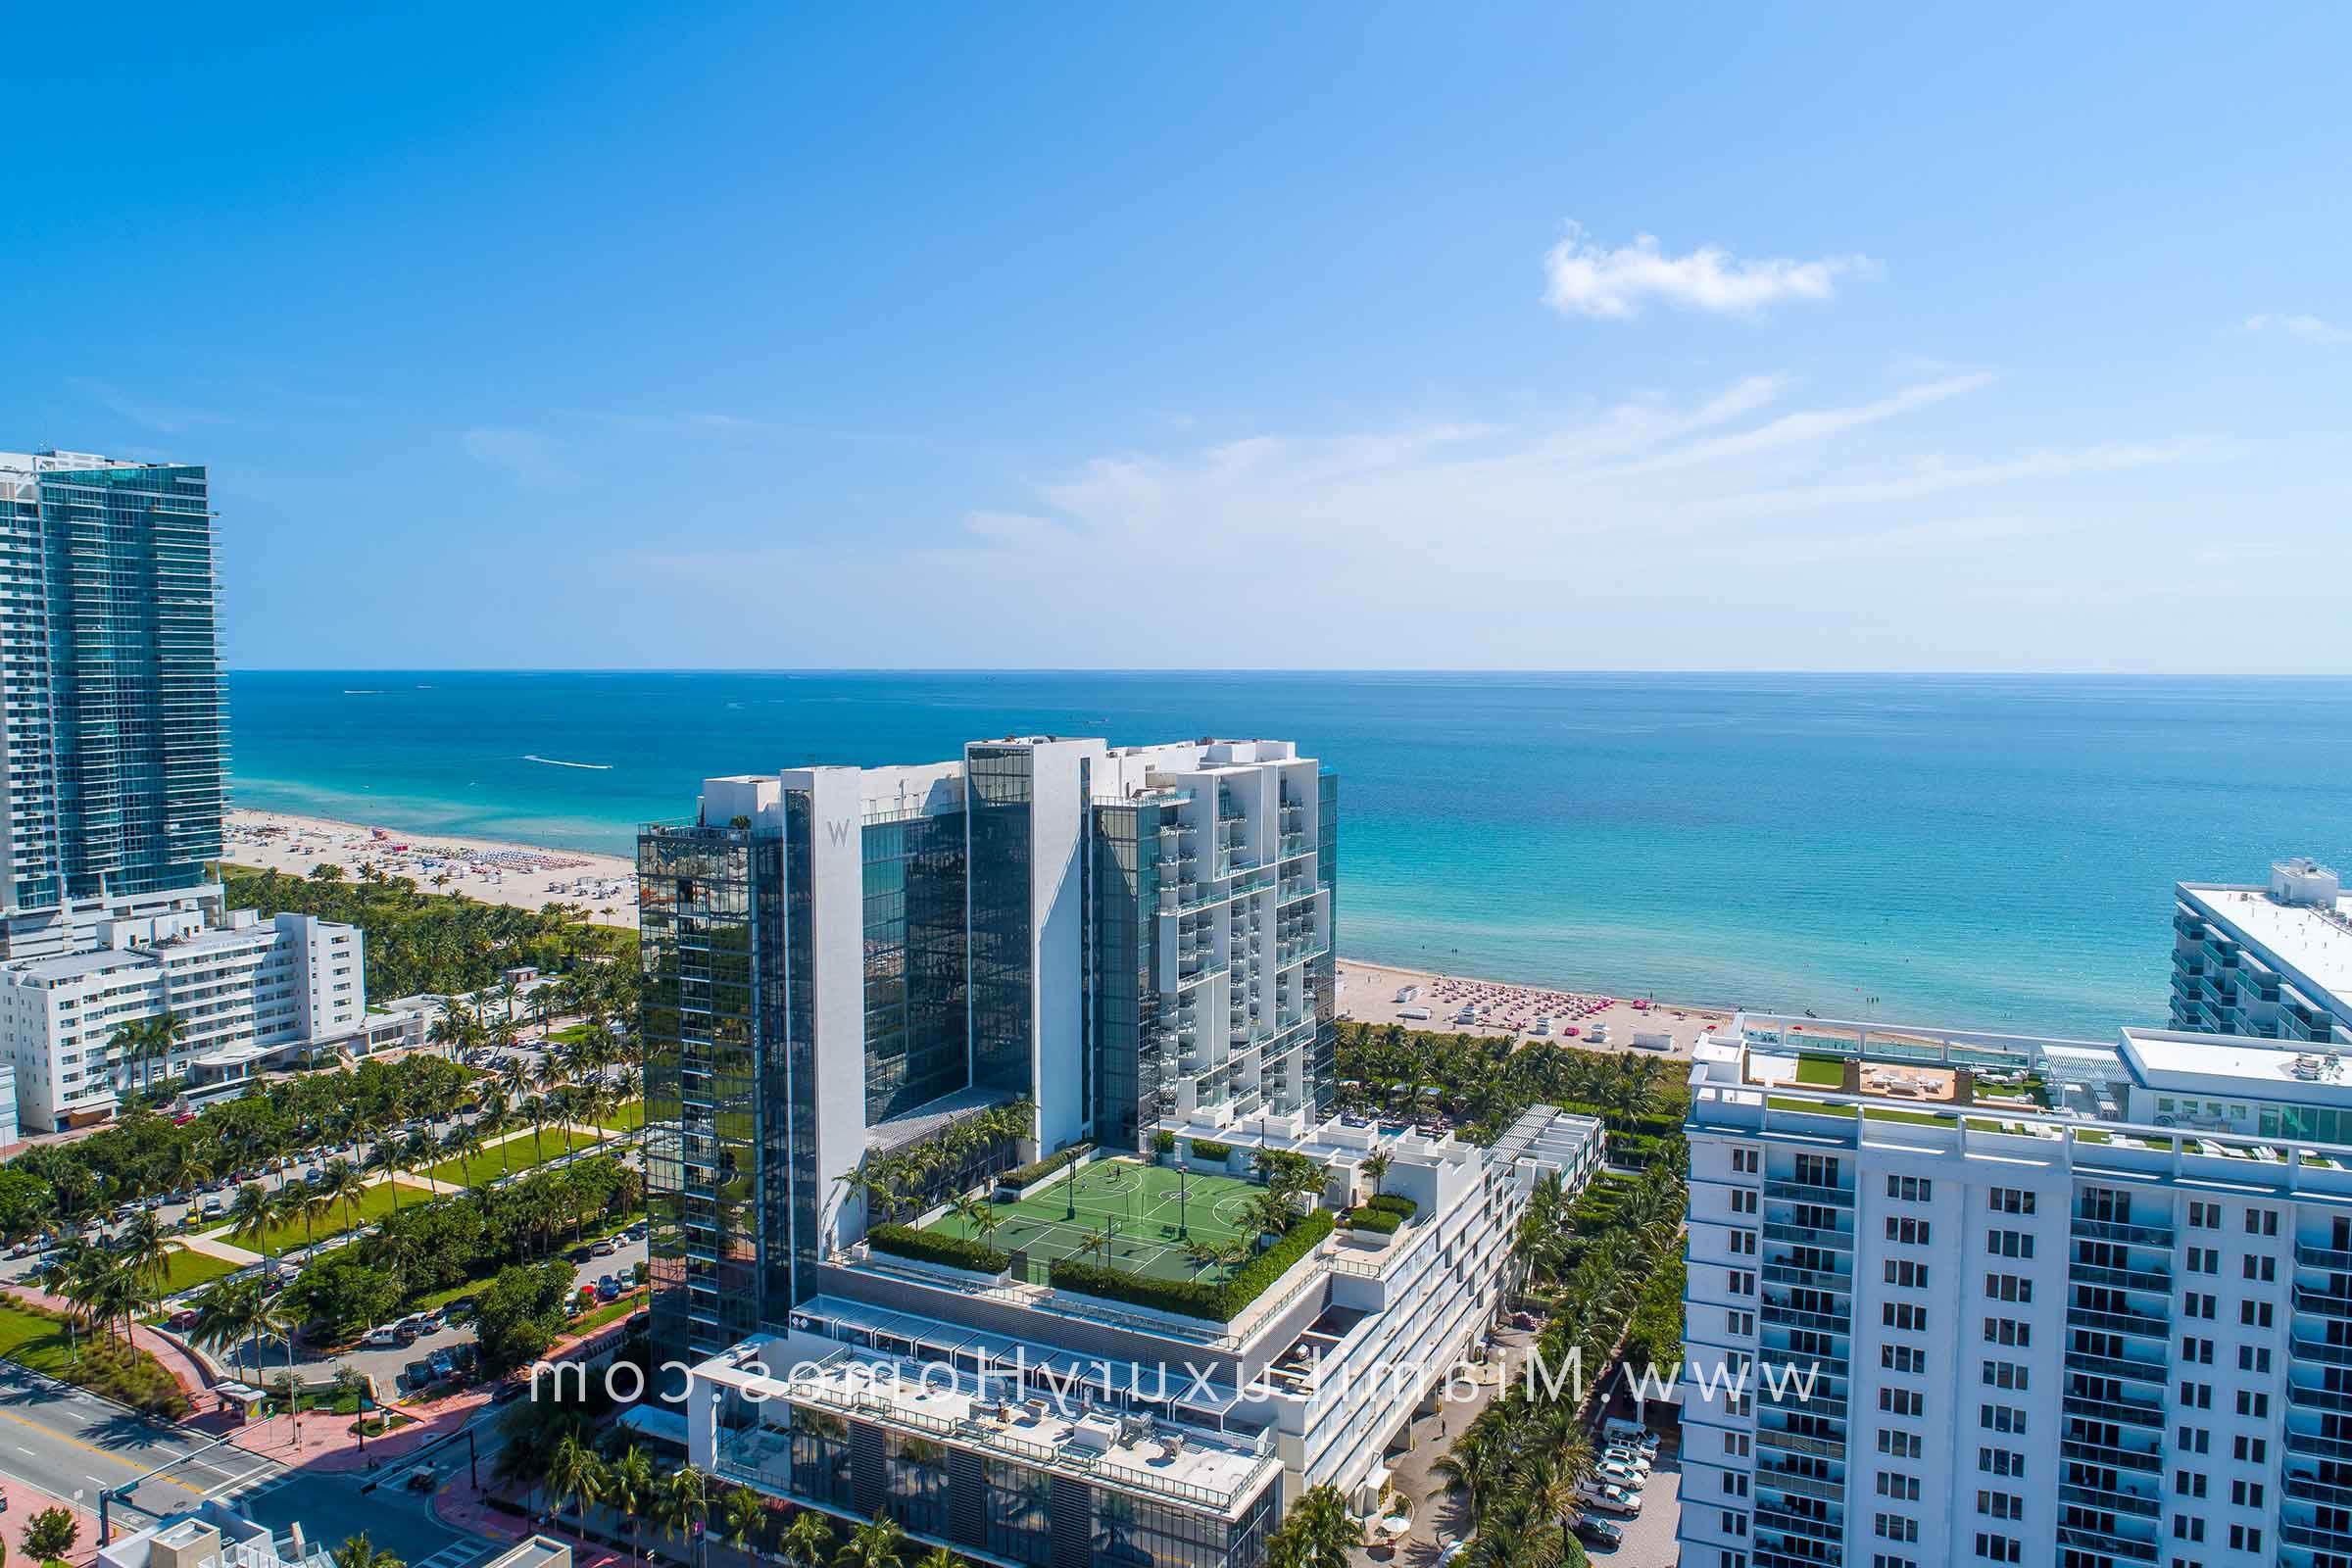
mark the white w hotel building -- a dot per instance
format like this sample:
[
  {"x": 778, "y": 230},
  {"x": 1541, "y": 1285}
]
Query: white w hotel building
[{"x": 2065, "y": 1302}]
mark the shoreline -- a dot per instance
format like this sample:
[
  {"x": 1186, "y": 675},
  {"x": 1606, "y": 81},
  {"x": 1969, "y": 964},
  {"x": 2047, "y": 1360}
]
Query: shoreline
[
  {"x": 1369, "y": 993},
  {"x": 522, "y": 876},
  {"x": 530, "y": 876}
]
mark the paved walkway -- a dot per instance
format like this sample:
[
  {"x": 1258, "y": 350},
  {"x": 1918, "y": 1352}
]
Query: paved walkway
[
  {"x": 211, "y": 1246},
  {"x": 328, "y": 1443},
  {"x": 1440, "y": 1518},
  {"x": 24, "y": 1501}
]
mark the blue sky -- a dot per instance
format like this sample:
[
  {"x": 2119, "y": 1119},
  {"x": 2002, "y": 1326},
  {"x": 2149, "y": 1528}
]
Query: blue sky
[{"x": 772, "y": 336}]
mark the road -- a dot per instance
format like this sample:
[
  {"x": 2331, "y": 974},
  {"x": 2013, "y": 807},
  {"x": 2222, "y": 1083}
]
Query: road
[{"x": 71, "y": 1444}]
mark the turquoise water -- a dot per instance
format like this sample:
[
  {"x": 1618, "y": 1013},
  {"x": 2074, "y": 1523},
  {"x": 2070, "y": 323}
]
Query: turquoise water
[{"x": 1982, "y": 850}]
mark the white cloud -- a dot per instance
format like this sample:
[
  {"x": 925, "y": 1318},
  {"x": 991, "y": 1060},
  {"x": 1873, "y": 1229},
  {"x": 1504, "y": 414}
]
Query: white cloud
[
  {"x": 525, "y": 456},
  {"x": 1582, "y": 278},
  {"x": 2310, "y": 328}
]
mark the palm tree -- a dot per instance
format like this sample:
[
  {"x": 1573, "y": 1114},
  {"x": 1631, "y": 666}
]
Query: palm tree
[
  {"x": 358, "y": 1552},
  {"x": 747, "y": 1512},
  {"x": 977, "y": 1215},
  {"x": 940, "y": 1557},
  {"x": 808, "y": 1539},
  {"x": 1273, "y": 1212},
  {"x": 575, "y": 1475},
  {"x": 339, "y": 1183},
  {"x": 1217, "y": 1254},
  {"x": 630, "y": 1488},
  {"x": 1376, "y": 1169},
  {"x": 252, "y": 1215},
  {"x": 229, "y": 1315},
  {"x": 683, "y": 1504},
  {"x": 879, "y": 1543},
  {"x": 1326, "y": 1531}
]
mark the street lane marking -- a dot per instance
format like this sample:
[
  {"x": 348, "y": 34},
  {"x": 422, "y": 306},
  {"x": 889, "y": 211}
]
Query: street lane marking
[{"x": 92, "y": 1448}]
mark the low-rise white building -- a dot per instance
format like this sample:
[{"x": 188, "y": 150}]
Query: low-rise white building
[
  {"x": 246, "y": 990},
  {"x": 2273, "y": 960}
]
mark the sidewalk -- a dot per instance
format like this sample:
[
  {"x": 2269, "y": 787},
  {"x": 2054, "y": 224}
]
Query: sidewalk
[
  {"x": 1437, "y": 1516},
  {"x": 211, "y": 1246},
  {"x": 328, "y": 1444},
  {"x": 460, "y": 1506},
  {"x": 24, "y": 1501}
]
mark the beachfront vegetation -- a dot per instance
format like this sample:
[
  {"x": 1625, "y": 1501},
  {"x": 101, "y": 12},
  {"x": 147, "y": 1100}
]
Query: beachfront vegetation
[
  {"x": 440, "y": 943},
  {"x": 1482, "y": 1084},
  {"x": 90, "y": 1343}
]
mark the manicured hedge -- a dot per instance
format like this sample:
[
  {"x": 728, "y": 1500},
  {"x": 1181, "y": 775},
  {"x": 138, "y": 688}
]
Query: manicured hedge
[
  {"x": 1395, "y": 1202},
  {"x": 1163, "y": 1142},
  {"x": 1368, "y": 1219},
  {"x": 1197, "y": 1298},
  {"x": 934, "y": 1247},
  {"x": 1203, "y": 1148},
  {"x": 1039, "y": 1171}
]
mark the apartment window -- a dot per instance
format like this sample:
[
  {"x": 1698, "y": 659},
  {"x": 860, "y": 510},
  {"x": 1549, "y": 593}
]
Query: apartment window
[
  {"x": 2188, "y": 1527},
  {"x": 1911, "y": 1189},
  {"x": 1902, "y": 1359},
  {"x": 1744, "y": 1200},
  {"x": 2009, "y": 1375},
  {"x": 1906, "y": 1273},
  {"x": 1907, "y": 1232},
  {"x": 2008, "y": 1331},
  {"x": 1731, "y": 1559},
  {"x": 2010, "y": 1201},
  {"x": 1735, "y": 1445},
  {"x": 1887, "y": 1559},
  {"x": 2000, "y": 1504},
  {"x": 2008, "y": 1243},
  {"x": 2252, "y": 1314},
  {"x": 1903, "y": 1315},
  {"x": 1742, "y": 1282},
  {"x": 2204, "y": 1260},
  {"x": 2265, "y": 1270},
  {"x": 2262, "y": 1222},
  {"x": 2204, "y": 1217},
  {"x": 2245, "y": 1537},
  {"x": 1735, "y": 1486},
  {"x": 2000, "y": 1461},
  {"x": 2196, "y": 1351},
  {"x": 2252, "y": 1403},
  {"x": 1999, "y": 1548},
  {"x": 2197, "y": 1304},
  {"x": 2194, "y": 1440},
  {"x": 1901, "y": 1488},
  {"x": 2251, "y": 1450},
  {"x": 1733, "y": 1524},
  {"x": 2009, "y": 1287},
  {"x": 2196, "y": 1395},
  {"x": 1898, "y": 1444},
  {"x": 1740, "y": 1324},
  {"x": 2188, "y": 1483},
  {"x": 2006, "y": 1419},
  {"x": 1743, "y": 1243},
  {"x": 1896, "y": 1527},
  {"x": 1746, "y": 1161},
  {"x": 2247, "y": 1494},
  {"x": 1902, "y": 1401},
  {"x": 2253, "y": 1359}
]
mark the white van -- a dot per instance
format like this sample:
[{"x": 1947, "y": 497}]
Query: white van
[{"x": 1413, "y": 1014}]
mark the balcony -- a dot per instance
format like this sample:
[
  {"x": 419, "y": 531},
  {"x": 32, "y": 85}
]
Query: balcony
[
  {"x": 1797, "y": 1192},
  {"x": 2128, "y": 1412},
  {"x": 2322, "y": 1303},
  {"x": 2154, "y": 1281},
  {"x": 1810, "y": 1236},
  {"x": 1814, "y": 1279},
  {"x": 1771, "y": 1478},
  {"x": 2107, "y": 1545},
  {"x": 2116, "y": 1366},
  {"x": 1799, "y": 1444},
  {"x": 2310, "y": 1398},
  {"x": 2159, "y": 1236},
  {"x": 2332, "y": 1258},
  {"x": 2139, "y": 1323},
  {"x": 2150, "y": 1460},
  {"x": 1803, "y": 1526},
  {"x": 2130, "y": 1502}
]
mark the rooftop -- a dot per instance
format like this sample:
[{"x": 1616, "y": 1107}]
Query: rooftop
[
  {"x": 2314, "y": 940},
  {"x": 996, "y": 1415}
]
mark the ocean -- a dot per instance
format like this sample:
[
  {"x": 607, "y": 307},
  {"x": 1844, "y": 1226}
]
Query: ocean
[{"x": 1993, "y": 852}]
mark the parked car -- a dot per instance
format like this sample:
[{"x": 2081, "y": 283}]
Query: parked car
[
  {"x": 442, "y": 1363},
  {"x": 181, "y": 1321},
  {"x": 1633, "y": 1459},
  {"x": 418, "y": 1374},
  {"x": 1597, "y": 1533},
  {"x": 602, "y": 1250},
  {"x": 1608, "y": 1499},
  {"x": 1620, "y": 1475},
  {"x": 388, "y": 1334},
  {"x": 1632, "y": 1433}
]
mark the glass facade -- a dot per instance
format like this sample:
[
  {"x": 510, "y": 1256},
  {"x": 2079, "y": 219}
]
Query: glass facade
[
  {"x": 1323, "y": 969},
  {"x": 701, "y": 946},
  {"x": 116, "y": 743},
  {"x": 1002, "y": 945},
  {"x": 1127, "y": 1040},
  {"x": 915, "y": 995},
  {"x": 1149, "y": 1535},
  {"x": 1017, "y": 1517}
]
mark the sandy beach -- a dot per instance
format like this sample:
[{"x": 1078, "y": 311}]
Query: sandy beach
[
  {"x": 526, "y": 876},
  {"x": 1377, "y": 993}
]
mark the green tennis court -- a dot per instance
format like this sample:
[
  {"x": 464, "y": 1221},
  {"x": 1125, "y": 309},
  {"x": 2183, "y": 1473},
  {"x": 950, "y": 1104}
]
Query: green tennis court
[{"x": 1140, "y": 1206}]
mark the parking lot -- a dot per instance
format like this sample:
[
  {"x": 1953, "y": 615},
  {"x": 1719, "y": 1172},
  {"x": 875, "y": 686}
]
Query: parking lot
[{"x": 1649, "y": 1535}]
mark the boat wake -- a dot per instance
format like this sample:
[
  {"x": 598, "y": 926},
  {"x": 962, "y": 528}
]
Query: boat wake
[{"x": 558, "y": 761}]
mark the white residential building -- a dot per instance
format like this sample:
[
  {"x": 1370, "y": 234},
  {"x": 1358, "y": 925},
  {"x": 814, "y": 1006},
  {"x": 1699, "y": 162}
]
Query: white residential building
[
  {"x": 2274, "y": 960},
  {"x": 1018, "y": 1423},
  {"x": 245, "y": 991},
  {"x": 1995, "y": 1299}
]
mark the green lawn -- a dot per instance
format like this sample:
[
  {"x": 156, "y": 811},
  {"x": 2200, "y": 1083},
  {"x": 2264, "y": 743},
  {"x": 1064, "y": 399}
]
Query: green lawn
[
  {"x": 609, "y": 1312},
  {"x": 373, "y": 1204},
  {"x": 185, "y": 1270},
  {"x": 627, "y": 1118},
  {"x": 1822, "y": 1072},
  {"x": 512, "y": 1157},
  {"x": 1921, "y": 1117},
  {"x": 1137, "y": 1203}
]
